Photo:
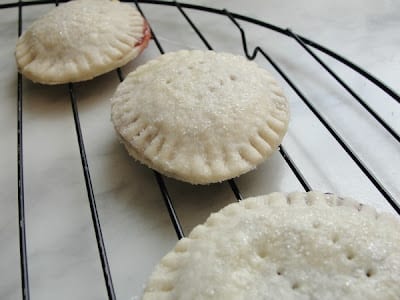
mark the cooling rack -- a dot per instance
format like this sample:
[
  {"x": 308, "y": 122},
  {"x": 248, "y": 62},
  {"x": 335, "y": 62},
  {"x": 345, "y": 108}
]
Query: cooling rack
[{"x": 241, "y": 26}]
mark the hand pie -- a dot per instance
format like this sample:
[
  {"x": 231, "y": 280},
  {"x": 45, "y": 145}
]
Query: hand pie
[
  {"x": 81, "y": 39},
  {"x": 300, "y": 246},
  {"x": 200, "y": 116}
]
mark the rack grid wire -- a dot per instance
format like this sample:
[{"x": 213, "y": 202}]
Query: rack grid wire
[{"x": 308, "y": 46}]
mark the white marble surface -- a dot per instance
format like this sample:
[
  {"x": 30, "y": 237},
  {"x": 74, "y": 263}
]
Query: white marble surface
[{"x": 62, "y": 254}]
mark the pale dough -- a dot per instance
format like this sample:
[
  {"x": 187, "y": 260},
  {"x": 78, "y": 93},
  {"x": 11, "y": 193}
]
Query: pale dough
[
  {"x": 80, "y": 40},
  {"x": 296, "y": 247},
  {"x": 200, "y": 116}
]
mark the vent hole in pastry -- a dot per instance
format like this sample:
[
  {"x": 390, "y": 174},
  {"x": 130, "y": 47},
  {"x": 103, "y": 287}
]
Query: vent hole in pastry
[
  {"x": 232, "y": 77},
  {"x": 295, "y": 286},
  {"x": 350, "y": 255},
  {"x": 262, "y": 252},
  {"x": 168, "y": 81},
  {"x": 280, "y": 271},
  {"x": 370, "y": 272}
]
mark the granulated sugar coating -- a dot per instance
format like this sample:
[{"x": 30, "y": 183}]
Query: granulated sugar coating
[
  {"x": 300, "y": 246},
  {"x": 200, "y": 116},
  {"x": 80, "y": 40}
]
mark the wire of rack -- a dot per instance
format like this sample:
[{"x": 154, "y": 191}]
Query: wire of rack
[{"x": 303, "y": 42}]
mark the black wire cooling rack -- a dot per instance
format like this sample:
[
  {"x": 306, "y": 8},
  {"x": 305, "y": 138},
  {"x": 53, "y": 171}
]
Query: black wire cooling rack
[{"x": 309, "y": 46}]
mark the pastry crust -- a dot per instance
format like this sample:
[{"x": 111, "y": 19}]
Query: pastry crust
[
  {"x": 80, "y": 40},
  {"x": 297, "y": 246},
  {"x": 200, "y": 116}
]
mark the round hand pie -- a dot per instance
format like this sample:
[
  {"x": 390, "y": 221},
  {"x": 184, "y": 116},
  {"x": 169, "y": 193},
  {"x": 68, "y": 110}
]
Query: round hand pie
[
  {"x": 80, "y": 40},
  {"x": 296, "y": 247},
  {"x": 200, "y": 116}
]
